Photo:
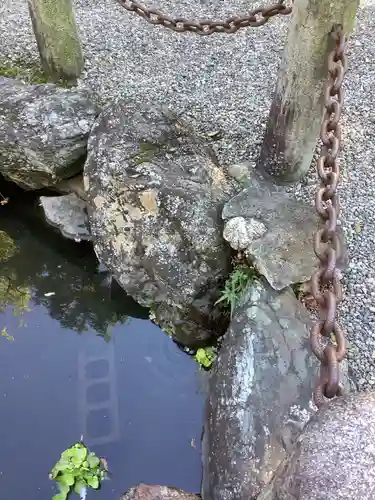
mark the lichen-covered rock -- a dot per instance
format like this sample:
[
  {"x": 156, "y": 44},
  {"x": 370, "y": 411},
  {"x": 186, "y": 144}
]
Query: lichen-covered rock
[
  {"x": 154, "y": 492},
  {"x": 275, "y": 231},
  {"x": 68, "y": 214},
  {"x": 156, "y": 196},
  {"x": 260, "y": 393},
  {"x": 334, "y": 457},
  {"x": 43, "y": 132}
]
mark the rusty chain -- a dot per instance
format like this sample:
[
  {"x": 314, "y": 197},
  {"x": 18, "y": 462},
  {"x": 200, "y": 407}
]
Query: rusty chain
[
  {"x": 327, "y": 338},
  {"x": 255, "y": 18}
]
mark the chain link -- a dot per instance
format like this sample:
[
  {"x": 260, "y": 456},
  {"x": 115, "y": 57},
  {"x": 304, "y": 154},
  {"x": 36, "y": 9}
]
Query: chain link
[
  {"x": 255, "y": 18},
  {"x": 327, "y": 338}
]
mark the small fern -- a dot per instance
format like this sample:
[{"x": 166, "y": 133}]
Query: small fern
[{"x": 237, "y": 282}]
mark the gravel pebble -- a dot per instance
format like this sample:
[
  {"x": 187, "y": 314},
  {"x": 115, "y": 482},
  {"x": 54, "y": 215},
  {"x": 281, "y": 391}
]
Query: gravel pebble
[{"x": 224, "y": 83}]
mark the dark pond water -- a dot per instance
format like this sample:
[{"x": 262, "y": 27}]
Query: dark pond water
[{"x": 85, "y": 360}]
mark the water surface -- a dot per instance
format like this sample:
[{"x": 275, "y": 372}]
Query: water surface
[{"x": 86, "y": 360}]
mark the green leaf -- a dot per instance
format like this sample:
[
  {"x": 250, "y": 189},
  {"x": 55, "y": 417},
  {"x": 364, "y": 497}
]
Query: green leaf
[
  {"x": 93, "y": 460},
  {"x": 60, "y": 496},
  {"x": 54, "y": 472},
  {"x": 67, "y": 454},
  {"x": 93, "y": 482},
  {"x": 223, "y": 297},
  {"x": 61, "y": 465},
  {"x": 79, "y": 456},
  {"x": 67, "y": 478},
  {"x": 79, "y": 485},
  {"x": 64, "y": 489}
]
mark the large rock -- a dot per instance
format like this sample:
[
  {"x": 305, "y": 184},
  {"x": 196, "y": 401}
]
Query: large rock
[
  {"x": 156, "y": 196},
  {"x": 43, "y": 132},
  {"x": 154, "y": 492},
  {"x": 260, "y": 394},
  {"x": 334, "y": 457},
  {"x": 275, "y": 231},
  {"x": 68, "y": 214}
]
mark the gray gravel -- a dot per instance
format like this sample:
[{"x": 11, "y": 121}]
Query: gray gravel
[{"x": 225, "y": 83}]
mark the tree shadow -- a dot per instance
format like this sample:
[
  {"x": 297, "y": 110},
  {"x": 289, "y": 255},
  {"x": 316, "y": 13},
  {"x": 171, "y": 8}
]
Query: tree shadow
[{"x": 60, "y": 274}]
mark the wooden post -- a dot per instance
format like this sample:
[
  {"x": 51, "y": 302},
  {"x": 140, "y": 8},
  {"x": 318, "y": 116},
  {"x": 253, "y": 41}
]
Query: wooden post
[
  {"x": 297, "y": 108},
  {"x": 57, "y": 38}
]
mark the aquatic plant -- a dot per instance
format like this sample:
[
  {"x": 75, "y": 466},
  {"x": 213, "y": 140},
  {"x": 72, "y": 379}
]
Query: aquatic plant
[
  {"x": 76, "y": 470},
  {"x": 205, "y": 356},
  {"x": 6, "y": 335}
]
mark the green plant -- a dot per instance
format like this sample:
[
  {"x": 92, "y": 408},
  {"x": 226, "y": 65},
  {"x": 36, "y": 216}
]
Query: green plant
[
  {"x": 27, "y": 71},
  {"x": 6, "y": 335},
  {"x": 237, "y": 282},
  {"x": 76, "y": 470},
  {"x": 205, "y": 356}
]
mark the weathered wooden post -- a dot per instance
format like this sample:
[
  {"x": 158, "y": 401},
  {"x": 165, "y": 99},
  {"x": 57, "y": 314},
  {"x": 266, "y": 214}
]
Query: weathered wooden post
[
  {"x": 57, "y": 38},
  {"x": 297, "y": 108}
]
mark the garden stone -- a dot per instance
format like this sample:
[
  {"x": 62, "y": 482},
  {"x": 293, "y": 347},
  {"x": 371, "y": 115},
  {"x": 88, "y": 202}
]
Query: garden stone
[
  {"x": 260, "y": 393},
  {"x": 155, "y": 197},
  {"x": 333, "y": 459},
  {"x": 68, "y": 214},
  {"x": 275, "y": 231},
  {"x": 241, "y": 172},
  {"x": 154, "y": 492},
  {"x": 43, "y": 132}
]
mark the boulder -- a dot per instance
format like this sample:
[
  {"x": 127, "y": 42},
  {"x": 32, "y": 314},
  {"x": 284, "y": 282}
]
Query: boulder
[
  {"x": 43, "y": 132},
  {"x": 154, "y": 492},
  {"x": 334, "y": 457},
  {"x": 68, "y": 214},
  {"x": 275, "y": 232},
  {"x": 260, "y": 393},
  {"x": 155, "y": 198}
]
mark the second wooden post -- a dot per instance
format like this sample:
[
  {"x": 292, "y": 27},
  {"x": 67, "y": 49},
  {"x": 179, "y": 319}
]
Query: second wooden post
[{"x": 297, "y": 108}]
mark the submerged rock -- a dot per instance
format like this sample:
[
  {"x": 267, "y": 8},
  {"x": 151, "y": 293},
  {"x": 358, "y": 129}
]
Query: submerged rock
[
  {"x": 154, "y": 492},
  {"x": 68, "y": 214},
  {"x": 334, "y": 457},
  {"x": 275, "y": 231},
  {"x": 156, "y": 196},
  {"x": 43, "y": 132},
  {"x": 260, "y": 393}
]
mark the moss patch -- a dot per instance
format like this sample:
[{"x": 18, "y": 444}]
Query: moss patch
[
  {"x": 27, "y": 71},
  {"x": 147, "y": 151}
]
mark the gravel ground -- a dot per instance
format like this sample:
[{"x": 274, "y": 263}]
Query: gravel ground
[{"x": 224, "y": 83}]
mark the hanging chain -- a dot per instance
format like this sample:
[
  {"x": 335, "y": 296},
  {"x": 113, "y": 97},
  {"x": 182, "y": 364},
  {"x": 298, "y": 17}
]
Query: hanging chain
[
  {"x": 255, "y": 18},
  {"x": 325, "y": 282}
]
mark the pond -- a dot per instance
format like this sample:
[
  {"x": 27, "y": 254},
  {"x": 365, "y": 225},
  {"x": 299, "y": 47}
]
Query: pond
[{"x": 78, "y": 357}]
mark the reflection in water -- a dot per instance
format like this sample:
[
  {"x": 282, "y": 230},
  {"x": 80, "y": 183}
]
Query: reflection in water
[
  {"x": 135, "y": 398},
  {"x": 63, "y": 276},
  {"x": 97, "y": 377}
]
